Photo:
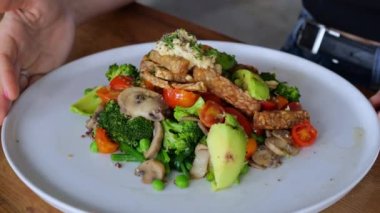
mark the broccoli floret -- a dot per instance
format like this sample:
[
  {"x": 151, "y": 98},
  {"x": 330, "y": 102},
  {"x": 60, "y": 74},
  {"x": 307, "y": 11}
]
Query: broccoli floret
[
  {"x": 267, "y": 76},
  {"x": 124, "y": 130},
  {"x": 181, "y": 137},
  {"x": 180, "y": 112},
  {"x": 289, "y": 92},
  {"x": 139, "y": 128},
  {"x": 225, "y": 60},
  {"x": 123, "y": 69}
]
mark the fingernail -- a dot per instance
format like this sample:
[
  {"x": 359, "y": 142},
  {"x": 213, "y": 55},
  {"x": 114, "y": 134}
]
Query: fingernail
[{"x": 5, "y": 93}]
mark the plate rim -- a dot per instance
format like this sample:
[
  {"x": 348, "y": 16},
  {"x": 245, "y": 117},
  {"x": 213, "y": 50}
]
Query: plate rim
[{"x": 57, "y": 203}]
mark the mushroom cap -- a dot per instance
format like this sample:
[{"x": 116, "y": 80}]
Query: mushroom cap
[
  {"x": 150, "y": 170},
  {"x": 137, "y": 101}
]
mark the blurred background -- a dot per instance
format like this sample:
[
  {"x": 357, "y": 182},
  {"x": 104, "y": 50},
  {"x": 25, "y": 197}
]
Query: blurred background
[{"x": 259, "y": 22}]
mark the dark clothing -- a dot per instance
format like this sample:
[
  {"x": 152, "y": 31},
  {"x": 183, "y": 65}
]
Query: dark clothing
[{"x": 359, "y": 17}]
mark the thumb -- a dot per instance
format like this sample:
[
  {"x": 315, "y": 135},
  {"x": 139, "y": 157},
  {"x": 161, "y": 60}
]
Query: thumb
[
  {"x": 7, "y": 5},
  {"x": 9, "y": 81},
  {"x": 5, "y": 104}
]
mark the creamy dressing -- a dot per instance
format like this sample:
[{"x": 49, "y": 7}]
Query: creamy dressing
[{"x": 181, "y": 46}]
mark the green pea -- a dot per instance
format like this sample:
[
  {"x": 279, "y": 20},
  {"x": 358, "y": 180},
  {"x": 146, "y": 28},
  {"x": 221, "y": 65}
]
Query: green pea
[
  {"x": 93, "y": 147},
  {"x": 144, "y": 144},
  {"x": 210, "y": 176},
  {"x": 158, "y": 185},
  {"x": 182, "y": 181}
]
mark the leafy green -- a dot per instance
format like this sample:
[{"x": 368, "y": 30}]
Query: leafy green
[{"x": 180, "y": 112}]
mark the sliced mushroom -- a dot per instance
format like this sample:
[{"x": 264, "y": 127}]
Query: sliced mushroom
[
  {"x": 155, "y": 146},
  {"x": 200, "y": 163},
  {"x": 264, "y": 158},
  {"x": 281, "y": 144},
  {"x": 150, "y": 170},
  {"x": 136, "y": 101},
  {"x": 92, "y": 122}
]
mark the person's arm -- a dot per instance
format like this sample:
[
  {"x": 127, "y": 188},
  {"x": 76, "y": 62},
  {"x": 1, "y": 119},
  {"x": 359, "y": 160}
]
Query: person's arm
[{"x": 36, "y": 36}]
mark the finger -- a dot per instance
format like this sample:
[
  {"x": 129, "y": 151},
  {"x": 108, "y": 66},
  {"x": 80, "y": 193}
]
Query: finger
[
  {"x": 35, "y": 78},
  {"x": 375, "y": 100},
  {"x": 23, "y": 80},
  {"x": 9, "y": 78},
  {"x": 7, "y": 5},
  {"x": 5, "y": 104}
]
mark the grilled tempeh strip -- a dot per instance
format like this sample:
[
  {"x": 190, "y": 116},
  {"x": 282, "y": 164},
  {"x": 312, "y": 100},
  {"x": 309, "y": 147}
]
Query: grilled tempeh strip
[
  {"x": 279, "y": 119},
  {"x": 225, "y": 89},
  {"x": 175, "y": 64}
]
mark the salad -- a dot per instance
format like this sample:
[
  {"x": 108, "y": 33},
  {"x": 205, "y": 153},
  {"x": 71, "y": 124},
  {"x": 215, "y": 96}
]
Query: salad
[{"x": 193, "y": 109}]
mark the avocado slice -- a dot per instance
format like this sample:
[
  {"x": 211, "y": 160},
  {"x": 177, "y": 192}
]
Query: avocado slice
[
  {"x": 227, "y": 146},
  {"x": 87, "y": 104},
  {"x": 252, "y": 83}
]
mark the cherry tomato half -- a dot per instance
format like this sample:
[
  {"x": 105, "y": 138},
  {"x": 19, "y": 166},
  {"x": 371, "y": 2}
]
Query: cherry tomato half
[
  {"x": 178, "y": 97},
  {"x": 107, "y": 94},
  {"x": 211, "y": 113},
  {"x": 243, "y": 121},
  {"x": 294, "y": 106},
  {"x": 121, "y": 82},
  {"x": 304, "y": 134}
]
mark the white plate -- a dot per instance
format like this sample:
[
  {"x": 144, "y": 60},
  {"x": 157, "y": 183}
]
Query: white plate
[{"x": 42, "y": 142}]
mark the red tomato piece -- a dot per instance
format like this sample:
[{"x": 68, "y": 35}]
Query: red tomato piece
[
  {"x": 107, "y": 94},
  {"x": 268, "y": 105},
  {"x": 103, "y": 142},
  {"x": 295, "y": 106},
  {"x": 251, "y": 148},
  {"x": 243, "y": 121},
  {"x": 121, "y": 82},
  {"x": 304, "y": 134},
  {"x": 178, "y": 97},
  {"x": 211, "y": 97},
  {"x": 211, "y": 113},
  {"x": 281, "y": 102}
]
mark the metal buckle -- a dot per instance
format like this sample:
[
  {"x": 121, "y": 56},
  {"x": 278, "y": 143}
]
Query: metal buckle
[{"x": 311, "y": 36}]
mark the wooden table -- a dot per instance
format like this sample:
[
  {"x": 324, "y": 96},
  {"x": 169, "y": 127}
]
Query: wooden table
[{"x": 136, "y": 24}]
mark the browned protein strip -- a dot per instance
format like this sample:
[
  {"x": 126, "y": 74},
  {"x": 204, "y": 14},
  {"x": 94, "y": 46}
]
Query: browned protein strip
[
  {"x": 197, "y": 86},
  {"x": 146, "y": 70},
  {"x": 279, "y": 119},
  {"x": 175, "y": 64},
  {"x": 225, "y": 89}
]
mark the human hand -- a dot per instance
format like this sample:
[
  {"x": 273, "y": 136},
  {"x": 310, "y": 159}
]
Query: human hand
[
  {"x": 375, "y": 101},
  {"x": 35, "y": 37}
]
